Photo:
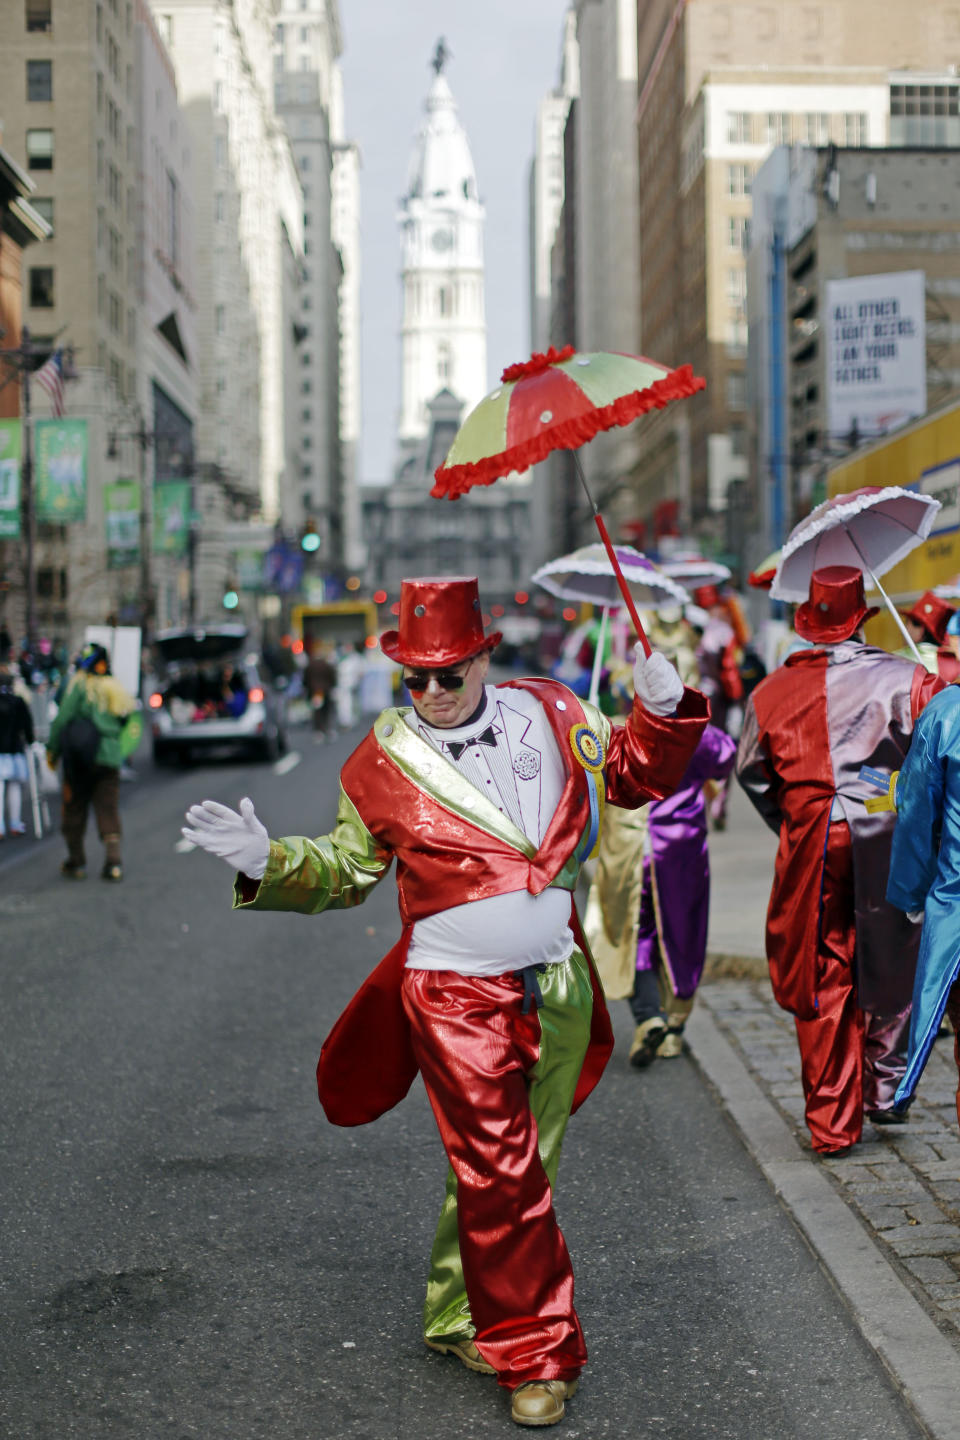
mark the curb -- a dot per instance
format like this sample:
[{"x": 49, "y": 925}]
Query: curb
[{"x": 922, "y": 1363}]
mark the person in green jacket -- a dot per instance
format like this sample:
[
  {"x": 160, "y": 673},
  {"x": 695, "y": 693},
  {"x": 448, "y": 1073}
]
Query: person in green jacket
[{"x": 87, "y": 735}]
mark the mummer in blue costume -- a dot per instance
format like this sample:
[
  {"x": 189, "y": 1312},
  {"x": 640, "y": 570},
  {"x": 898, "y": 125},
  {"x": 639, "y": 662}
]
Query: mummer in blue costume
[{"x": 925, "y": 875}]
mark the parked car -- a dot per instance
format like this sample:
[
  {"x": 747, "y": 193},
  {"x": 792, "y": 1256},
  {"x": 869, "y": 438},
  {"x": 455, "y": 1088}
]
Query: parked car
[{"x": 208, "y": 693}]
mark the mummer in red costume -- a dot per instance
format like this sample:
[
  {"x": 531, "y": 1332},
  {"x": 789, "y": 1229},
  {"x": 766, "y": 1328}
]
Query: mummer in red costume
[
  {"x": 489, "y": 798},
  {"x": 841, "y": 958}
]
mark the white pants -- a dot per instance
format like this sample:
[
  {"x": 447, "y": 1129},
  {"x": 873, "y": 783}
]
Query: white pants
[{"x": 15, "y": 791}]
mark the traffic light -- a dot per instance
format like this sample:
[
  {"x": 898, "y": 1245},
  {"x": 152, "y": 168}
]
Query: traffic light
[
  {"x": 231, "y": 600},
  {"x": 309, "y": 539}
]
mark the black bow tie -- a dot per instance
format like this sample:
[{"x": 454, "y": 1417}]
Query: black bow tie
[{"x": 457, "y": 747}]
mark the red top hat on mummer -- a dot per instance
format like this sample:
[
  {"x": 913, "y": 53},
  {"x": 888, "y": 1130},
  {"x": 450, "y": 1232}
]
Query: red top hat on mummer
[
  {"x": 836, "y": 607},
  {"x": 933, "y": 614},
  {"x": 440, "y": 623}
]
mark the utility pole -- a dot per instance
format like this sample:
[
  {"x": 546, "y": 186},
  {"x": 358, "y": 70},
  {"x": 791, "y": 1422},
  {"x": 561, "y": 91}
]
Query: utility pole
[
  {"x": 22, "y": 360},
  {"x": 26, "y": 481},
  {"x": 145, "y": 440}
]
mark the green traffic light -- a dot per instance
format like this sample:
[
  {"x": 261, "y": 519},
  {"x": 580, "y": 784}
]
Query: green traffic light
[
  {"x": 231, "y": 600},
  {"x": 310, "y": 541}
]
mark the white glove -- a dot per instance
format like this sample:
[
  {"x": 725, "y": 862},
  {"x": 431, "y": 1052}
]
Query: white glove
[
  {"x": 656, "y": 684},
  {"x": 241, "y": 840},
  {"x": 914, "y": 916}
]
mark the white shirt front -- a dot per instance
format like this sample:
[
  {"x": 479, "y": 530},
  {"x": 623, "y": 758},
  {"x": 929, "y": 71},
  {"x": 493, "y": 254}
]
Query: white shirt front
[{"x": 522, "y": 773}]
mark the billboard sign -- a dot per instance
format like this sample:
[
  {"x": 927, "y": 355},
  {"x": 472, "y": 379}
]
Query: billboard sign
[
  {"x": 60, "y": 468},
  {"x": 942, "y": 482},
  {"x": 876, "y": 352},
  {"x": 9, "y": 479}
]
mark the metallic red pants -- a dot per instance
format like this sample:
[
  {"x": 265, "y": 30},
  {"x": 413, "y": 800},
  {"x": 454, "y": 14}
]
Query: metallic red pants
[
  {"x": 477, "y": 1053},
  {"x": 850, "y": 1060}
]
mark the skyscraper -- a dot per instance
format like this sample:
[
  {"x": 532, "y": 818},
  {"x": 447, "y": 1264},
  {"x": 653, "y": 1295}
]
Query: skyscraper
[
  {"x": 443, "y": 329},
  {"x": 443, "y": 345}
]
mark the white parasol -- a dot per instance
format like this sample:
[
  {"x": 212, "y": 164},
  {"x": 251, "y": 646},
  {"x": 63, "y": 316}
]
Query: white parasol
[
  {"x": 587, "y": 575},
  {"x": 871, "y": 529},
  {"x": 695, "y": 571}
]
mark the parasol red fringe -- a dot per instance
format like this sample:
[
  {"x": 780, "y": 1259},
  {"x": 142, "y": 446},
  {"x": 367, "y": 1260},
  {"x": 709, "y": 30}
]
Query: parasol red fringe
[
  {"x": 455, "y": 480},
  {"x": 537, "y": 363}
]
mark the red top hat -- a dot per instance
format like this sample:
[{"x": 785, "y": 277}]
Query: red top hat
[
  {"x": 705, "y": 596},
  {"x": 835, "y": 607},
  {"x": 933, "y": 614},
  {"x": 440, "y": 623}
]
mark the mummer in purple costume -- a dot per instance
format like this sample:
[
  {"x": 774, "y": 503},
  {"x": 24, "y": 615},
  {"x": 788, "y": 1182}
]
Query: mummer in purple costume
[{"x": 647, "y": 913}]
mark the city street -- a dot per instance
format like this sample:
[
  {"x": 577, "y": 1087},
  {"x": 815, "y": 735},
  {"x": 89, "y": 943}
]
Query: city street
[{"x": 189, "y": 1249}]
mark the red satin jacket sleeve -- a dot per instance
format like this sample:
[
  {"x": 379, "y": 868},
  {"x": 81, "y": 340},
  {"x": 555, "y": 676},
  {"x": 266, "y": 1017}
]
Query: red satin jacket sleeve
[
  {"x": 647, "y": 757},
  {"x": 922, "y": 690}
]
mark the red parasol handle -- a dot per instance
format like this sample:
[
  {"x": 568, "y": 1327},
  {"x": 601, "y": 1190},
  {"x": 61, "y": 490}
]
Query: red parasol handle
[
  {"x": 612, "y": 555},
  {"x": 624, "y": 587}
]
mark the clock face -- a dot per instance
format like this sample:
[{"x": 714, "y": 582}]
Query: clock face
[{"x": 441, "y": 240}]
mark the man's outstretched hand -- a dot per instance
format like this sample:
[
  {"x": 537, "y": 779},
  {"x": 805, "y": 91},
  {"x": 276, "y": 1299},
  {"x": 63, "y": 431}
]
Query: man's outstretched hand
[
  {"x": 241, "y": 840},
  {"x": 656, "y": 683}
]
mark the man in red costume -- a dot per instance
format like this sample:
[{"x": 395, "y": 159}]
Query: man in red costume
[
  {"x": 841, "y": 958},
  {"x": 489, "y": 798},
  {"x": 927, "y": 621}
]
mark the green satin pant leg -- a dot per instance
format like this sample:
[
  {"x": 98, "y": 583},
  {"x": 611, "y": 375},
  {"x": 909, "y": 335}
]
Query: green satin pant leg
[
  {"x": 564, "y": 1034},
  {"x": 446, "y": 1310}
]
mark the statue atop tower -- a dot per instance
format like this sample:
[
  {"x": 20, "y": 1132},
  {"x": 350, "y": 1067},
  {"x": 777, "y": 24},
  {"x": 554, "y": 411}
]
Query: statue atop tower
[{"x": 443, "y": 329}]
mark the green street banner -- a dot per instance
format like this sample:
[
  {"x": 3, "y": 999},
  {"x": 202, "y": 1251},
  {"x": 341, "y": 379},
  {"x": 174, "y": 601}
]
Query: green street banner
[
  {"x": 248, "y": 569},
  {"x": 171, "y": 517},
  {"x": 121, "y": 509},
  {"x": 60, "y": 469},
  {"x": 9, "y": 479}
]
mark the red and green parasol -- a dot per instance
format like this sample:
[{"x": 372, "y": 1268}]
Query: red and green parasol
[{"x": 559, "y": 401}]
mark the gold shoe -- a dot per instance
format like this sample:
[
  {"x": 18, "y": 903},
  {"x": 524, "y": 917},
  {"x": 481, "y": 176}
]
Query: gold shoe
[
  {"x": 464, "y": 1349},
  {"x": 672, "y": 1045},
  {"x": 540, "y": 1402},
  {"x": 647, "y": 1039}
]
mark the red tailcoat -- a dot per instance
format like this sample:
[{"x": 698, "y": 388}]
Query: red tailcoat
[
  {"x": 808, "y": 729},
  {"x": 366, "y": 1064}
]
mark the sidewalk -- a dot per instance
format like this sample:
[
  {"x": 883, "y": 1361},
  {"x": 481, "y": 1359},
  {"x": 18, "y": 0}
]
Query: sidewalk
[{"x": 885, "y": 1220}]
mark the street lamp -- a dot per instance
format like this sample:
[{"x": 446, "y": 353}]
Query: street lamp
[{"x": 145, "y": 439}]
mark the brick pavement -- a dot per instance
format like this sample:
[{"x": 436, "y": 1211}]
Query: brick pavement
[{"x": 903, "y": 1181}]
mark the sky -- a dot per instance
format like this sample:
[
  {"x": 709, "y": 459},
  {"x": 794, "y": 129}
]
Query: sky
[{"x": 505, "y": 56}]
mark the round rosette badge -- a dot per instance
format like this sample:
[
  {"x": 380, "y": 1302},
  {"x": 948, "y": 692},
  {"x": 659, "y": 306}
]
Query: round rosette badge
[{"x": 586, "y": 746}]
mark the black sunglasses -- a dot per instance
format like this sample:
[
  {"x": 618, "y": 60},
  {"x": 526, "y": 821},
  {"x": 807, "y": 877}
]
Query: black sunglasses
[{"x": 418, "y": 680}]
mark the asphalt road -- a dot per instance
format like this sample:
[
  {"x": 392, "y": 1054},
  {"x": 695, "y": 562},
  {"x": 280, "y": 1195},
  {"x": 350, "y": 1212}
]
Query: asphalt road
[{"x": 189, "y": 1249}]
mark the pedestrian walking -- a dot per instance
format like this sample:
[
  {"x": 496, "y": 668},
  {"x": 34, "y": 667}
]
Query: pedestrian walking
[
  {"x": 86, "y": 734},
  {"x": 647, "y": 912},
  {"x": 349, "y": 672},
  {"x": 16, "y": 733},
  {"x": 925, "y": 876},
  {"x": 320, "y": 678},
  {"x": 489, "y": 798},
  {"x": 841, "y": 958}
]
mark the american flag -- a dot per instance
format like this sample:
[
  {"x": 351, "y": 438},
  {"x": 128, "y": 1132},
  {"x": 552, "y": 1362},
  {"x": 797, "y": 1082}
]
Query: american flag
[{"x": 50, "y": 378}]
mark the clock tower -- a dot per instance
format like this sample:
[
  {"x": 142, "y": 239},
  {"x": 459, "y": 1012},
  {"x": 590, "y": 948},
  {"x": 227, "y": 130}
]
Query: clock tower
[{"x": 443, "y": 331}]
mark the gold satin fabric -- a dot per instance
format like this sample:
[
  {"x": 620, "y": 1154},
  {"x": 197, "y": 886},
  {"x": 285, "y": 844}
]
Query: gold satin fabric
[{"x": 613, "y": 904}]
